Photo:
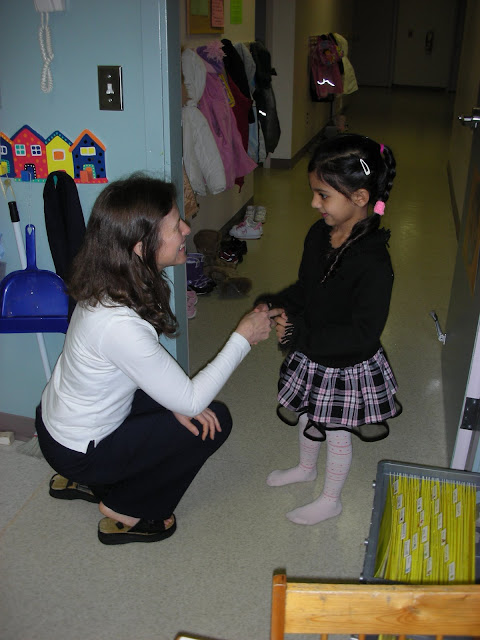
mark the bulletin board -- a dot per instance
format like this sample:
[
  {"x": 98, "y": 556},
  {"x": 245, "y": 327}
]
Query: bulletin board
[{"x": 205, "y": 16}]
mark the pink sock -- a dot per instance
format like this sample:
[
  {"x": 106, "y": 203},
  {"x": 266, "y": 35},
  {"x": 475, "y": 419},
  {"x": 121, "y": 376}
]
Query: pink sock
[
  {"x": 306, "y": 470},
  {"x": 328, "y": 505}
]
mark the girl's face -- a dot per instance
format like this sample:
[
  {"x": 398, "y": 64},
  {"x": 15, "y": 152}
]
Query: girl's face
[
  {"x": 338, "y": 211},
  {"x": 172, "y": 234}
]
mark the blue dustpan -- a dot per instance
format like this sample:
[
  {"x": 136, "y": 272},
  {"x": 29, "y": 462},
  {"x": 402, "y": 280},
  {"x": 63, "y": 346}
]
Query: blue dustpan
[{"x": 33, "y": 300}]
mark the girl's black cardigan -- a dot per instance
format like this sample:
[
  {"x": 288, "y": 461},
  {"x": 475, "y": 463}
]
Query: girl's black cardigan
[{"x": 338, "y": 323}]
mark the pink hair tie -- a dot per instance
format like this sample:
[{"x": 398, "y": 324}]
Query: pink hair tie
[
  {"x": 382, "y": 147},
  {"x": 379, "y": 207}
]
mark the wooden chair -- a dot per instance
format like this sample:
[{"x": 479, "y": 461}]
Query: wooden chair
[{"x": 361, "y": 609}]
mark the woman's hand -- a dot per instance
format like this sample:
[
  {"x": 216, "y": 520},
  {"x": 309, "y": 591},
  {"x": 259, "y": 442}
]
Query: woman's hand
[
  {"x": 256, "y": 325},
  {"x": 207, "y": 418}
]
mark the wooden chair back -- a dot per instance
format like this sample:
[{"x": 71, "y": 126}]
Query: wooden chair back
[{"x": 361, "y": 609}]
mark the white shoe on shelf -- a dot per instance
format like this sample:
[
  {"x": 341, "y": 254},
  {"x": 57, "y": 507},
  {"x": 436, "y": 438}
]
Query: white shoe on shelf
[
  {"x": 247, "y": 230},
  {"x": 260, "y": 214},
  {"x": 250, "y": 213}
]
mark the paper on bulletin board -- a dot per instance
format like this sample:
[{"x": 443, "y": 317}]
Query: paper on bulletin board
[
  {"x": 236, "y": 11},
  {"x": 217, "y": 17},
  {"x": 199, "y": 7}
]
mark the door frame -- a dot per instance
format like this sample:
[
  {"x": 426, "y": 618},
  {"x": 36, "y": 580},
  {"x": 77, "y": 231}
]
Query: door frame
[{"x": 163, "y": 135}]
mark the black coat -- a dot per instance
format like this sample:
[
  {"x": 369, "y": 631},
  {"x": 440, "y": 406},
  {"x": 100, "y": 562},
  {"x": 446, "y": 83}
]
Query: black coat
[
  {"x": 264, "y": 96},
  {"x": 64, "y": 222},
  {"x": 338, "y": 323}
]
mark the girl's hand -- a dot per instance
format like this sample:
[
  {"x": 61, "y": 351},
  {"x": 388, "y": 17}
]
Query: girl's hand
[
  {"x": 281, "y": 325},
  {"x": 256, "y": 325},
  {"x": 207, "y": 418}
]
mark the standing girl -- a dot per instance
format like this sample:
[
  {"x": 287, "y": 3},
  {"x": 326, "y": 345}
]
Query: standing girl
[{"x": 336, "y": 377}]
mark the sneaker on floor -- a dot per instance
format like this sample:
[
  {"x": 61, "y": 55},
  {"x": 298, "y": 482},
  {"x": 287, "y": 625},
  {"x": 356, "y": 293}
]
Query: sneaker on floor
[
  {"x": 260, "y": 214},
  {"x": 230, "y": 257},
  {"x": 232, "y": 250},
  {"x": 235, "y": 245},
  {"x": 192, "y": 296},
  {"x": 246, "y": 231},
  {"x": 192, "y": 300},
  {"x": 203, "y": 286}
]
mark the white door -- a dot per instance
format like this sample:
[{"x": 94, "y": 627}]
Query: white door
[
  {"x": 461, "y": 353},
  {"x": 406, "y": 43},
  {"x": 425, "y": 37}
]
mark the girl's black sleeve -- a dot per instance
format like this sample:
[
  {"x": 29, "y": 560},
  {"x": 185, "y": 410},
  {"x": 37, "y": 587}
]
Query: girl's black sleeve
[{"x": 292, "y": 298}]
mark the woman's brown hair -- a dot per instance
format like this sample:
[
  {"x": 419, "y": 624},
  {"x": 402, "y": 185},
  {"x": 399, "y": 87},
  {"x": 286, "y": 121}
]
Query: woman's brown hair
[{"x": 107, "y": 270}]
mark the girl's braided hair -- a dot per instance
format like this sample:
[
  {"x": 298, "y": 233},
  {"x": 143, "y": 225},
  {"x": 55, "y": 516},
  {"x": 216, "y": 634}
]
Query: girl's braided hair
[{"x": 337, "y": 162}]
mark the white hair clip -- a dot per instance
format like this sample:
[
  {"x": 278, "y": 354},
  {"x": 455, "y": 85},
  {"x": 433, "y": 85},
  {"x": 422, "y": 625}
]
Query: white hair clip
[{"x": 365, "y": 167}]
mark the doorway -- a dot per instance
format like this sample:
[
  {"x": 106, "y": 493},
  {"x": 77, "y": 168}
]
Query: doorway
[{"x": 407, "y": 43}]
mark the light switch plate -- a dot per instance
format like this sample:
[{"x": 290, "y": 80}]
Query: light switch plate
[{"x": 110, "y": 89}]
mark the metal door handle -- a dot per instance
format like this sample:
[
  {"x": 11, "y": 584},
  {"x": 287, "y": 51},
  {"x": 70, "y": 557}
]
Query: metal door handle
[
  {"x": 471, "y": 121},
  {"x": 441, "y": 336}
]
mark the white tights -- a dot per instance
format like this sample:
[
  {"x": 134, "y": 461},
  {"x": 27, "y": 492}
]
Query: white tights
[{"x": 339, "y": 459}]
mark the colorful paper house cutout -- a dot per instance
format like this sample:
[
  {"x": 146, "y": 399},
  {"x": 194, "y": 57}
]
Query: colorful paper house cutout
[
  {"x": 88, "y": 155},
  {"x": 29, "y": 153},
  {"x": 27, "y": 156},
  {"x": 59, "y": 157},
  {"x": 6, "y": 156}
]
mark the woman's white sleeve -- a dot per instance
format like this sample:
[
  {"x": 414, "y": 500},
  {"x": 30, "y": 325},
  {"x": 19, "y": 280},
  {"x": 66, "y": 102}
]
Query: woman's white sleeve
[{"x": 133, "y": 347}]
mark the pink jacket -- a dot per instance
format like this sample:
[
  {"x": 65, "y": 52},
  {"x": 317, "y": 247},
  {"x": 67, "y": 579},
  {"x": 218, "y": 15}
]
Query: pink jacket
[{"x": 215, "y": 107}]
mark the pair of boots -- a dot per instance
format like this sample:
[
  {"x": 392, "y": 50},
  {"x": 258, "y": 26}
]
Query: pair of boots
[
  {"x": 214, "y": 270},
  {"x": 339, "y": 459},
  {"x": 232, "y": 250},
  {"x": 197, "y": 281}
]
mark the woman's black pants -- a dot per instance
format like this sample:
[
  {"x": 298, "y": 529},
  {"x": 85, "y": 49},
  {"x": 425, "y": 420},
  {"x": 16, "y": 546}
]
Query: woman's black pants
[{"x": 145, "y": 466}]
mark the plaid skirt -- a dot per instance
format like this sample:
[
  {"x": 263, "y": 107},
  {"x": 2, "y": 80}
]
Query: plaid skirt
[{"x": 347, "y": 397}]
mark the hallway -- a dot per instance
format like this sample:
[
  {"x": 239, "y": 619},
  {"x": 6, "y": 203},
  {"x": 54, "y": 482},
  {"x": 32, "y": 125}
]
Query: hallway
[{"x": 213, "y": 576}]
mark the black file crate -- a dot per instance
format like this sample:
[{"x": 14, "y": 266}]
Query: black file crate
[{"x": 386, "y": 468}]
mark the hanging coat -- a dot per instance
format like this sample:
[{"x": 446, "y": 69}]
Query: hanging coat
[
  {"x": 236, "y": 72},
  {"x": 256, "y": 141},
  {"x": 264, "y": 96},
  {"x": 202, "y": 160},
  {"x": 190, "y": 204},
  {"x": 224, "y": 65},
  {"x": 325, "y": 70},
  {"x": 64, "y": 222},
  {"x": 349, "y": 80},
  {"x": 215, "y": 106}
]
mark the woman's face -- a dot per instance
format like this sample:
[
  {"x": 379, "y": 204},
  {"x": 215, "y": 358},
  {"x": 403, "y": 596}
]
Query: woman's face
[
  {"x": 172, "y": 234},
  {"x": 172, "y": 231}
]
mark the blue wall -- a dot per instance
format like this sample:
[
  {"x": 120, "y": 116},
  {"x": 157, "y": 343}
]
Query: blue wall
[{"x": 146, "y": 135}]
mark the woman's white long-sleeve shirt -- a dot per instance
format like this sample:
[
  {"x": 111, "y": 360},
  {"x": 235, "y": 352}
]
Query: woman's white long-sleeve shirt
[{"x": 109, "y": 353}]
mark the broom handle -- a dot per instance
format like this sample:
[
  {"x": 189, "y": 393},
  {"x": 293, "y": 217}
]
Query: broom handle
[
  {"x": 18, "y": 238},
  {"x": 43, "y": 354},
  {"x": 15, "y": 218}
]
